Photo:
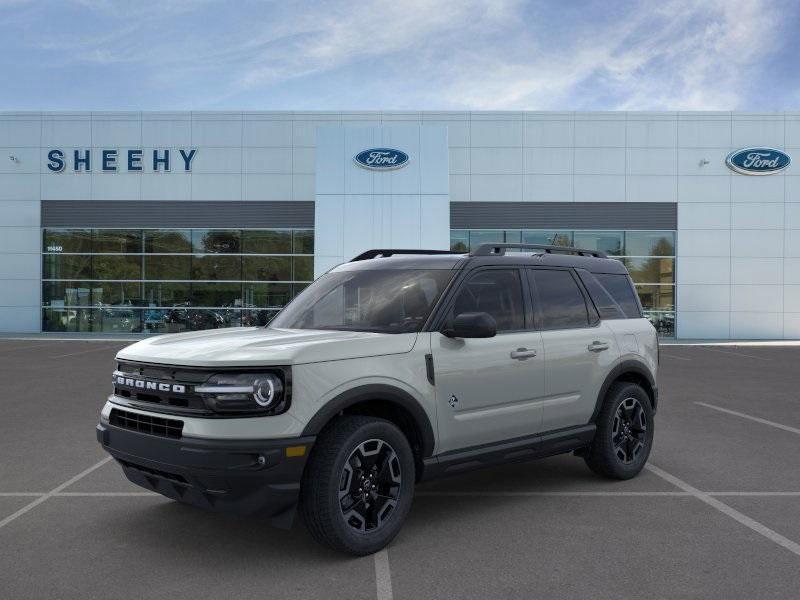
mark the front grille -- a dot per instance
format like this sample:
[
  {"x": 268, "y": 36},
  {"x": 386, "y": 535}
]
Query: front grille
[
  {"x": 169, "y": 428},
  {"x": 168, "y": 399}
]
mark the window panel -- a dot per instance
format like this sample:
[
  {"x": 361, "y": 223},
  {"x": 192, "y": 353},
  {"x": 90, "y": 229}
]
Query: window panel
[
  {"x": 267, "y": 241},
  {"x": 226, "y": 241},
  {"x": 167, "y": 294},
  {"x": 167, "y": 240},
  {"x": 656, "y": 297},
  {"x": 216, "y": 294},
  {"x": 304, "y": 241},
  {"x": 117, "y": 240},
  {"x": 196, "y": 319},
  {"x": 217, "y": 267},
  {"x": 68, "y": 266},
  {"x": 477, "y": 237},
  {"x": 459, "y": 240},
  {"x": 117, "y": 267},
  {"x": 548, "y": 238},
  {"x": 609, "y": 242},
  {"x": 650, "y": 243},
  {"x": 117, "y": 320},
  {"x": 561, "y": 302},
  {"x": 651, "y": 270},
  {"x": 67, "y": 319},
  {"x": 267, "y": 268},
  {"x": 664, "y": 322},
  {"x": 167, "y": 267},
  {"x": 257, "y": 318},
  {"x": 303, "y": 268},
  {"x": 67, "y": 240},
  {"x": 267, "y": 295}
]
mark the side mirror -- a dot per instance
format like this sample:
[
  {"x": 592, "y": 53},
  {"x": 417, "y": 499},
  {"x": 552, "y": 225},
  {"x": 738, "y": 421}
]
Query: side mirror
[{"x": 472, "y": 325}]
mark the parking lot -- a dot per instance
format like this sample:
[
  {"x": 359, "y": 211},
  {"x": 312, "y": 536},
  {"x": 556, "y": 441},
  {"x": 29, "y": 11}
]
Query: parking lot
[{"x": 715, "y": 515}]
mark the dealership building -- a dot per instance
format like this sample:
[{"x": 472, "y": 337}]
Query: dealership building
[{"x": 118, "y": 222}]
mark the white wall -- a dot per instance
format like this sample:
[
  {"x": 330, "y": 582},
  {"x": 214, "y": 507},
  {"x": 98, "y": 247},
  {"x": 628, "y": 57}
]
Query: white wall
[
  {"x": 20, "y": 253},
  {"x": 358, "y": 209}
]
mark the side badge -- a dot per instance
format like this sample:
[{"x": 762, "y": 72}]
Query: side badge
[{"x": 453, "y": 401}]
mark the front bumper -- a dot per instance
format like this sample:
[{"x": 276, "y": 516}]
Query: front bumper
[{"x": 245, "y": 477}]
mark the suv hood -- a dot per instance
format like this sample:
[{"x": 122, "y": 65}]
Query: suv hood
[{"x": 259, "y": 346}]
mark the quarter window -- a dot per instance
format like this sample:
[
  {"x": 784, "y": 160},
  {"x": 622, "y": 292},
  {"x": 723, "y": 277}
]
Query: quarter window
[
  {"x": 619, "y": 287},
  {"x": 561, "y": 302},
  {"x": 497, "y": 292}
]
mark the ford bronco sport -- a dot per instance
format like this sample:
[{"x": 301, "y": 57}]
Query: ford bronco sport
[{"x": 396, "y": 367}]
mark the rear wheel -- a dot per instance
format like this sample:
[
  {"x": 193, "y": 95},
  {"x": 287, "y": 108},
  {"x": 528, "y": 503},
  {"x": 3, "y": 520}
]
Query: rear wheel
[
  {"x": 624, "y": 435},
  {"x": 358, "y": 486}
]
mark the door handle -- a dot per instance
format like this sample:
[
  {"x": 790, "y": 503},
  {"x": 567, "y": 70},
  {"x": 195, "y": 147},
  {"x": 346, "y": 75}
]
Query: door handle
[
  {"x": 522, "y": 353},
  {"x": 597, "y": 346}
]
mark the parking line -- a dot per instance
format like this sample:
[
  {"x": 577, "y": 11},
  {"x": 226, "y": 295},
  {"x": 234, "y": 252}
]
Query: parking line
[
  {"x": 383, "y": 576},
  {"x": 734, "y": 353},
  {"x": 751, "y": 418},
  {"x": 19, "y": 347},
  {"x": 52, "y": 493},
  {"x": 442, "y": 494},
  {"x": 547, "y": 494},
  {"x": 106, "y": 494},
  {"x": 759, "y": 528},
  {"x": 84, "y": 351},
  {"x": 675, "y": 356}
]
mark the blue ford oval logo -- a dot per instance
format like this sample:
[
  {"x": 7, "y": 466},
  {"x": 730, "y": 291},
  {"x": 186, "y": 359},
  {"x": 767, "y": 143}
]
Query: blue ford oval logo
[
  {"x": 758, "y": 161},
  {"x": 381, "y": 159}
]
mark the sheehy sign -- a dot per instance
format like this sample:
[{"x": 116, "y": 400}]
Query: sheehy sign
[{"x": 111, "y": 161}]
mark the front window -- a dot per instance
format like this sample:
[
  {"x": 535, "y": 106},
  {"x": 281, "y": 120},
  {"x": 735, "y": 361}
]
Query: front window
[{"x": 381, "y": 301}]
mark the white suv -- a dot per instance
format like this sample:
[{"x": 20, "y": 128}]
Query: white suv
[{"x": 399, "y": 366}]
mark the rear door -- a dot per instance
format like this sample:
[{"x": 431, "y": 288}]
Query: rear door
[
  {"x": 491, "y": 389},
  {"x": 579, "y": 348}
]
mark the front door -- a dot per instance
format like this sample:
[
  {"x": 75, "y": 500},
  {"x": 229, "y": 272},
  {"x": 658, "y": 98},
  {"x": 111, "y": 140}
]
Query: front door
[{"x": 489, "y": 389}]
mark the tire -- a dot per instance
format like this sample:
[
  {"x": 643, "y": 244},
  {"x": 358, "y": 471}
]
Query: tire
[
  {"x": 624, "y": 435},
  {"x": 368, "y": 512}
]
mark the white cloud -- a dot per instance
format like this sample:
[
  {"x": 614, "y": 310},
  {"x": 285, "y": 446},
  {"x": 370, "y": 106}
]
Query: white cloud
[{"x": 473, "y": 54}]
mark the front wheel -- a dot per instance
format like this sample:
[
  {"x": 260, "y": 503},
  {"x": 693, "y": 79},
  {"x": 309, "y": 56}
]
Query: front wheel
[
  {"x": 358, "y": 486},
  {"x": 624, "y": 435}
]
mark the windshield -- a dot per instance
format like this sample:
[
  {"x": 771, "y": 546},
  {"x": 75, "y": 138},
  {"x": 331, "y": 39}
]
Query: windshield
[{"x": 382, "y": 301}]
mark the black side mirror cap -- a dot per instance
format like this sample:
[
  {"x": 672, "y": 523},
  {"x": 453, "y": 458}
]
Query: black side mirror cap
[{"x": 472, "y": 325}]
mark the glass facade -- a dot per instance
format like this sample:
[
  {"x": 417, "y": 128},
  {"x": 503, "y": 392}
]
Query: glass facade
[
  {"x": 170, "y": 280},
  {"x": 648, "y": 255}
]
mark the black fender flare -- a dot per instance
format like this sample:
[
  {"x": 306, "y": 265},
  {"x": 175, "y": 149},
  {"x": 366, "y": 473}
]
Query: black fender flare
[
  {"x": 364, "y": 393},
  {"x": 626, "y": 366}
]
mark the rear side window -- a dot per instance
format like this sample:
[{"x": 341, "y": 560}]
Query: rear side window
[
  {"x": 560, "y": 300},
  {"x": 620, "y": 288},
  {"x": 606, "y": 305}
]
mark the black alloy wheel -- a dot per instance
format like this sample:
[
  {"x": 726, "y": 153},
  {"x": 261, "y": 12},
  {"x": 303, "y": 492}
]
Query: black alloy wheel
[
  {"x": 629, "y": 432},
  {"x": 370, "y": 484}
]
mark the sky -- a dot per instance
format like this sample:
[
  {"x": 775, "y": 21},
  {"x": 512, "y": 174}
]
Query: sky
[{"x": 400, "y": 55}]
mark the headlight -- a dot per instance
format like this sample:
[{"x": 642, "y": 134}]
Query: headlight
[{"x": 262, "y": 393}]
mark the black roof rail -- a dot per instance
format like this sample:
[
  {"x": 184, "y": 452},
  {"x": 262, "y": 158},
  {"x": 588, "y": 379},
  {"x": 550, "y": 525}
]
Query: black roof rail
[
  {"x": 500, "y": 250},
  {"x": 384, "y": 252}
]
